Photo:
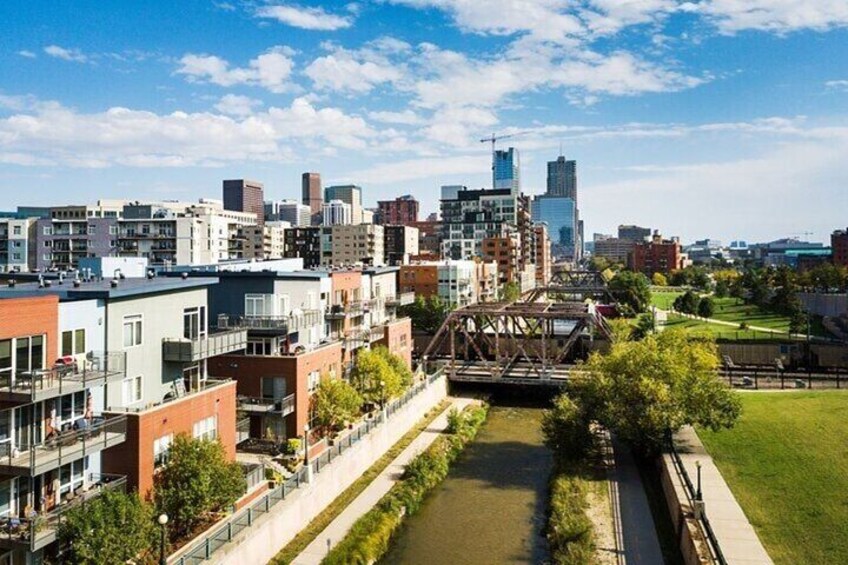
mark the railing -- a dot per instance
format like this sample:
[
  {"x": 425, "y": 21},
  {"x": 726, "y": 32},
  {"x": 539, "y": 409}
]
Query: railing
[
  {"x": 284, "y": 406},
  {"x": 693, "y": 496},
  {"x": 288, "y": 324},
  {"x": 183, "y": 350},
  {"x": 202, "y": 387},
  {"x": 63, "y": 447},
  {"x": 402, "y": 299},
  {"x": 38, "y": 530},
  {"x": 244, "y": 519},
  {"x": 242, "y": 430},
  {"x": 353, "y": 308},
  {"x": 95, "y": 369}
]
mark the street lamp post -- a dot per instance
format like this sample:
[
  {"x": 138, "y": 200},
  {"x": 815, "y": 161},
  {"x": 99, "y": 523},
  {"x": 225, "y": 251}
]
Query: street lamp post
[
  {"x": 306, "y": 444},
  {"x": 163, "y": 523},
  {"x": 698, "y": 495}
]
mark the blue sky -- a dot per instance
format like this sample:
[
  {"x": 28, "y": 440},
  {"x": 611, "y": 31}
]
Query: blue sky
[{"x": 703, "y": 118}]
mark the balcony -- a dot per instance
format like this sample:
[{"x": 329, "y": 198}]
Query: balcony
[
  {"x": 282, "y": 407},
  {"x": 68, "y": 376},
  {"x": 38, "y": 531},
  {"x": 341, "y": 311},
  {"x": 185, "y": 350},
  {"x": 357, "y": 338},
  {"x": 91, "y": 436},
  {"x": 177, "y": 394},
  {"x": 402, "y": 299},
  {"x": 279, "y": 324}
]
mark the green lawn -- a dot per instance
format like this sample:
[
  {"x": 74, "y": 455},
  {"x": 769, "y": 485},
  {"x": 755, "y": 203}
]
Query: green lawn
[
  {"x": 663, "y": 300},
  {"x": 786, "y": 462},
  {"x": 718, "y": 331},
  {"x": 734, "y": 310}
]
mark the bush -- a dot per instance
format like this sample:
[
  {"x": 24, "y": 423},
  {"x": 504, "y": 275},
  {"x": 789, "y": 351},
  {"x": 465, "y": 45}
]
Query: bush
[
  {"x": 566, "y": 429},
  {"x": 292, "y": 446},
  {"x": 570, "y": 533}
]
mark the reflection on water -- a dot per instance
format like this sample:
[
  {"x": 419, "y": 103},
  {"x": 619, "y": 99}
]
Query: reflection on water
[{"x": 491, "y": 508}]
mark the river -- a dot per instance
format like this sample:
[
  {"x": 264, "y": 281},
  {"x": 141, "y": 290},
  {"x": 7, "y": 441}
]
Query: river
[{"x": 491, "y": 507}]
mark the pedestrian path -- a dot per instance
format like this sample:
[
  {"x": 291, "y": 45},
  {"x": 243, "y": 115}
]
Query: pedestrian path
[
  {"x": 736, "y": 536},
  {"x": 338, "y": 528}
]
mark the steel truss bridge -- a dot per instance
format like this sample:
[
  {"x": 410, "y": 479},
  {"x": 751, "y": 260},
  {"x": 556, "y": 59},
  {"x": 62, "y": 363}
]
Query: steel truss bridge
[
  {"x": 571, "y": 286},
  {"x": 525, "y": 342}
]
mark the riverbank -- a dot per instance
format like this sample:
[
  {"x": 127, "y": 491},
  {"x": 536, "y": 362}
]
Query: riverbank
[{"x": 368, "y": 539}]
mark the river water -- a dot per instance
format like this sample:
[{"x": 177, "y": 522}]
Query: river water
[{"x": 491, "y": 507}]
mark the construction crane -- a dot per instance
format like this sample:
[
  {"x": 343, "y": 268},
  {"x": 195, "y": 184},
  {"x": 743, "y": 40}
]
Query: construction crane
[{"x": 494, "y": 139}]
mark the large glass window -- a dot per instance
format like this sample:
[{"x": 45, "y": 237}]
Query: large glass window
[
  {"x": 5, "y": 359},
  {"x": 273, "y": 388},
  {"x": 161, "y": 447},
  {"x": 132, "y": 389},
  {"x": 71, "y": 476},
  {"x": 206, "y": 428}
]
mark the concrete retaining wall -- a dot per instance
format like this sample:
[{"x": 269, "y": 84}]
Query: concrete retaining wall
[
  {"x": 824, "y": 304},
  {"x": 693, "y": 547},
  {"x": 271, "y": 532}
]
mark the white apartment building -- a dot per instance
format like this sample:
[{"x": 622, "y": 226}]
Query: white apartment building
[
  {"x": 337, "y": 213},
  {"x": 354, "y": 244}
]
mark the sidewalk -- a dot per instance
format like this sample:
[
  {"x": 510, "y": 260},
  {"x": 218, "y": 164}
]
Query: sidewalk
[
  {"x": 736, "y": 536},
  {"x": 641, "y": 544},
  {"x": 338, "y": 528}
]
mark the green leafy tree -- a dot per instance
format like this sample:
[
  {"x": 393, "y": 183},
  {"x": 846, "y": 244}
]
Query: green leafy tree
[
  {"x": 659, "y": 279},
  {"x": 397, "y": 364},
  {"x": 510, "y": 292},
  {"x": 565, "y": 427},
  {"x": 687, "y": 303},
  {"x": 427, "y": 314},
  {"x": 722, "y": 289},
  {"x": 334, "y": 402},
  {"x": 372, "y": 368},
  {"x": 645, "y": 325},
  {"x": 706, "y": 307},
  {"x": 798, "y": 319},
  {"x": 197, "y": 480},
  {"x": 115, "y": 527},
  {"x": 642, "y": 389},
  {"x": 632, "y": 292}
]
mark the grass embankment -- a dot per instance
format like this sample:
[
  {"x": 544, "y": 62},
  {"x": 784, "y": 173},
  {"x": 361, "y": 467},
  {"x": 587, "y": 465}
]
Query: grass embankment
[
  {"x": 786, "y": 463},
  {"x": 571, "y": 532},
  {"x": 720, "y": 331},
  {"x": 664, "y": 300},
  {"x": 369, "y": 538},
  {"x": 302, "y": 540}
]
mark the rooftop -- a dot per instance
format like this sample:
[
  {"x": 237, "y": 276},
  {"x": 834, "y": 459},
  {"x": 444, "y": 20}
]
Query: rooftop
[{"x": 103, "y": 288}]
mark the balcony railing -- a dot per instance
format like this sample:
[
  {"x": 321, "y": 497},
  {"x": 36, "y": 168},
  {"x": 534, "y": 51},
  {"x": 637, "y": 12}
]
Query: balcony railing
[
  {"x": 96, "y": 368},
  {"x": 90, "y": 436},
  {"x": 402, "y": 299},
  {"x": 38, "y": 530},
  {"x": 348, "y": 309},
  {"x": 283, "y": 324},
  {"x": 184, "y": 350},
  {"x": 282, "y": 407},
  {"x": 204, "y": 386}
]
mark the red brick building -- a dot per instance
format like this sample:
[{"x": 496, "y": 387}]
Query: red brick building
[
  {"x": 402, "y": 211},
  {"x": 839, "y": 247},
  {"x": 656, "y": 256}
]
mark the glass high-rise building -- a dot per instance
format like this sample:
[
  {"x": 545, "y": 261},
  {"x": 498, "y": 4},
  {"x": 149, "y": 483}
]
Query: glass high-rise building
[
  {"x": 507, "y": 170},
  {"x": 562, "y": 178},
  {"x": 349, "y": 194},
  {"x": 560, "y": 213}
]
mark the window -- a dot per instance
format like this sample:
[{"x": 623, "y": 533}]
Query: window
[
  {"x": 132, "y": 389},
  {"x": 48, "y": 230},
  {"x": 132, "y": 330},
  {"x": 312, "y": 380},
  {"x": 71, "y": 408},
  {"x": 194, "y": 322},
  {"x": 206, "y": 428},
  {"x": 254, "y": 305},
  {"x": 285, "y": 303},
  {"x": 273, "y": 388},
  {"x": 260, "y": 346},
  {"x": 16, "y": 230},
  {"x": 71, "y": 476},
  {"x": 161, "y": 447},
  {"x": 73, "y": 342},
  {"x": 113, "y": 230},
  {"x": 92, "y": 230}
]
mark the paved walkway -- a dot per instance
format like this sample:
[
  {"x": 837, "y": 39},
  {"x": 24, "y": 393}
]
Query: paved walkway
[
  {"x": 338, "y": 528},
  {"x": 736, "y": 536},
  {"x": 641, "y": 544}
]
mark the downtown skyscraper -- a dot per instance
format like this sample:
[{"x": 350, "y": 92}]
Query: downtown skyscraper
[{"x": 562, "y": 178}]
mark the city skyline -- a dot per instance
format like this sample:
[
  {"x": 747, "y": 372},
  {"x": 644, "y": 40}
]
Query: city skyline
[{"x": 668, "y": 107}]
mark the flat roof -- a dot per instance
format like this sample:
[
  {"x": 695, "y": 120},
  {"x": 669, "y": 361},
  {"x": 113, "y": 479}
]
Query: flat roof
[
  {"x": 277, "y": 275},
  {"x": 380, "y": 270},
  {"x": 102, "y": 288}
]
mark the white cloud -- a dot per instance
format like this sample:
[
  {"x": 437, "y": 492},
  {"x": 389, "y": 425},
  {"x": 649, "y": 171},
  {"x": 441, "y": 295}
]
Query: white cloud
[
  {"x": 839, "y": 85},
  {"x": 27, "y": 54},
  {"x": 407, "y": 117},
  {"x": 74, "y": 55},
  {"x": 47, "y": 133},
  {"x": 270, "y": 70},
  {"x": 305, "y": 17},
  {"x": 430, "y": 168},
  {"x": 235, "y": 105},
  {"x": 779, "y": 16},
  {"x": 357, "y": 71}
]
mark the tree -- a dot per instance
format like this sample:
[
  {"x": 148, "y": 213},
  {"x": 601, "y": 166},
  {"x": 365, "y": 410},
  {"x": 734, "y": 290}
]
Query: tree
[
  {"x": 510, "y": 292},
  {"x": 640, "y": 390},
  {"x": 686, "y": 303},
  {"x": 659, "y": 279},
  {"x": 397, "y": 364},
  {"x": 565, "y": 427},
  {"x": 197, "y": 480},
  {"x": 372, "y": 368},
  {"x": 645, "y": 325},
  {"x": 632, "y": 292},
  {"x": 427, "y": 314},
  {"x": 706, "y": 307},
  {"x": 114, "y": 527},
  {"x": 722, "y": 289},
  {"x": 335, "y": 402},
  {"x": 798, "y": 319}
]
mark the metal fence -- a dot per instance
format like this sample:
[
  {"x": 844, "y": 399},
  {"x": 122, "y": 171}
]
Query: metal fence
[
  {"x": 692, "y": 495},
  {"x": 243, "y": 519},
  {"x": 762, "y": 377}
]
